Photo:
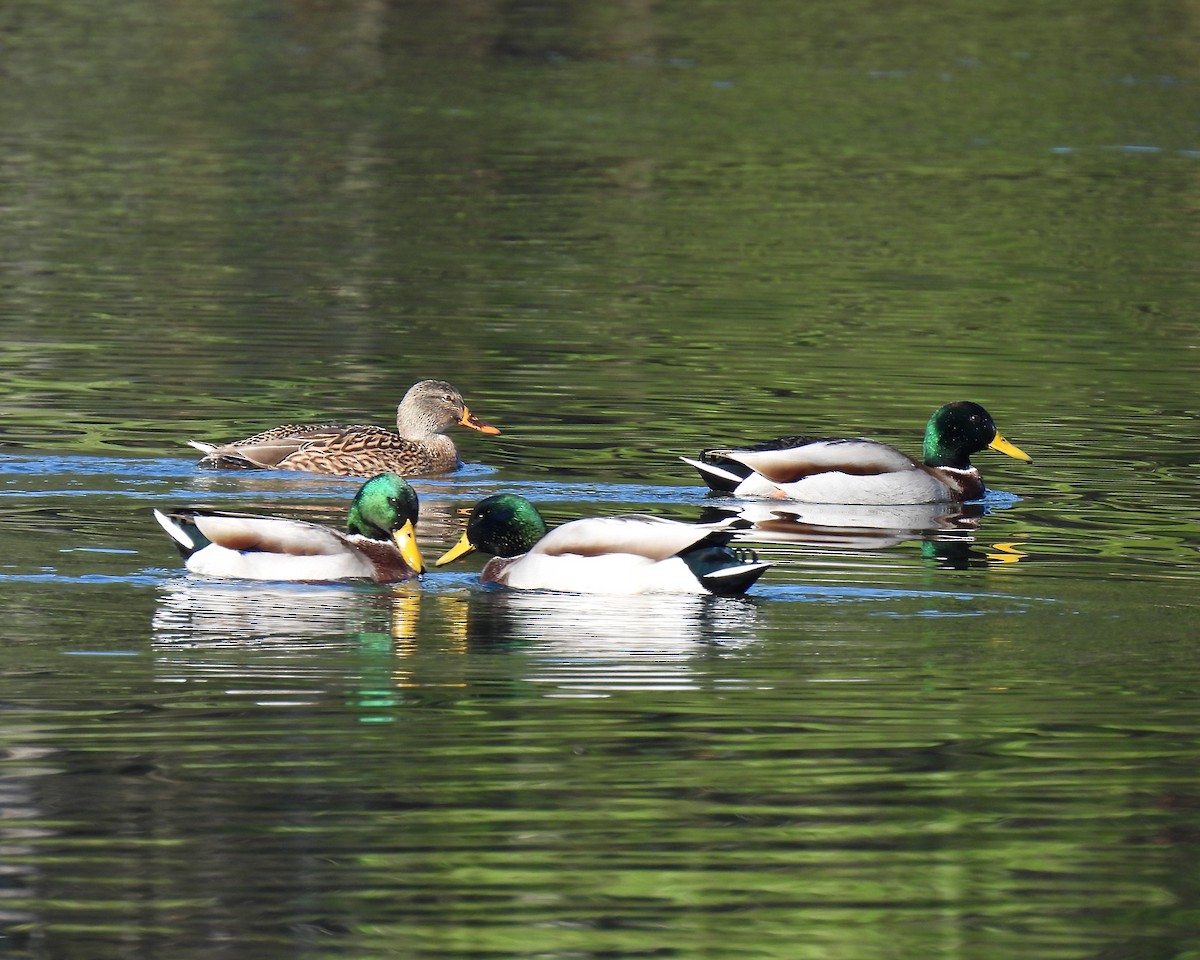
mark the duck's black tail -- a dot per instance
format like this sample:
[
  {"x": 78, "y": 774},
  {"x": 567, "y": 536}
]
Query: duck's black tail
[
  {"x": 720, "y": 473},
  {"x": 722, "y": 569},
  {"x": 183, "y": 531},
  {"x": 723, "y": 474}
]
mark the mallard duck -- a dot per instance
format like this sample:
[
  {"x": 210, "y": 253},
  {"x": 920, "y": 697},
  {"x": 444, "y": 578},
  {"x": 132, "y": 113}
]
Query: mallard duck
[
  {"x": 380, "y": 542},
  {"x": 418, "y": 446},
  {"x": 850, "y": 470},
  {"x": 621, "y": 554}
]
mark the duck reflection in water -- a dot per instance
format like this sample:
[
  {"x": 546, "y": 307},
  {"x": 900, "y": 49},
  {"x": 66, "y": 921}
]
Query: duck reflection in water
[
  {"x": 854, "y": 526},
  {"x": 947, "y": 531},
  {"x": 591, "y": 643},
  {"x": 278, "y": 638},
  {"x": 218, "y": 613}
]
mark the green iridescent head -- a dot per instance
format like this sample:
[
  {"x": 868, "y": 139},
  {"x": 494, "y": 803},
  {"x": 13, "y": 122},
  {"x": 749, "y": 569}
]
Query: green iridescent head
[
  {"x": 957, "y": 430},
  {"x": 385, "y": 508},
  {"x": 504, "y": 525}
]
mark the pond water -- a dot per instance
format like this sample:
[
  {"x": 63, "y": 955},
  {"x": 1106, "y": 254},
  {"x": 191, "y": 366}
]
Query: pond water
[{"x": 626, "y": 232}]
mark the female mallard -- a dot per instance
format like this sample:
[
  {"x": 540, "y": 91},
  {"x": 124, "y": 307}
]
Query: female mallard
[
  {"x": 848, "y": 470},
  {"x": 418, "y": 446},
  {"x": 625, "y": 554},
  {"x": 380, "y": 543}
]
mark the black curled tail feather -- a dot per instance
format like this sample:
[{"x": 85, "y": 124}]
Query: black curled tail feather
[
  {"x": 722, "y": 569},
  {"x": 183, "y": 531},
  {"x": 718, "y": 473},
  {"x": 727, "y": 474}
]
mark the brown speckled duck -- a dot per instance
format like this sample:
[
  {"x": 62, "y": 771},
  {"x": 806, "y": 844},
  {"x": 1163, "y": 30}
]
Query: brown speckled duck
[{"x": 418, "y": 446}]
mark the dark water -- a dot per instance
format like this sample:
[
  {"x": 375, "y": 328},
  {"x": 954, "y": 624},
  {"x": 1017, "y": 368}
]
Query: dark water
[{"x": 625, "y": 232}]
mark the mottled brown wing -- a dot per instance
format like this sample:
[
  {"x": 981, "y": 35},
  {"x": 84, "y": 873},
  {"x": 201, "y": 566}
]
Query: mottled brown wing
[
  {"x": 267, "y": 449},
  {"x": 300, "y": 431},
  {"x": 271, "y": 452},
  {"x": 366, "y": 451}
]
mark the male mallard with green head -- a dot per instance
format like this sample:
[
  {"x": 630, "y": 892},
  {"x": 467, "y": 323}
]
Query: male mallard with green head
[
  {"x": 621, "y": 554},
  {"x": 852, "y": 470},
  {"x": 380, "y": 543}
]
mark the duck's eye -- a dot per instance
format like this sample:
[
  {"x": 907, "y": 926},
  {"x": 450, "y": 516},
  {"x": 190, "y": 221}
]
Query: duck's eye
[{"x": 447, "y": 398}]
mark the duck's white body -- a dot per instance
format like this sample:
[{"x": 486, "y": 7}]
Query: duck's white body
[
  {"x": 849, "y": 471},
  {"x": 275, "y": 548},
  {"x": 618, "y": 555},
  {"x": 617, "y": 573},
  {"x": 853, "y": 470}
]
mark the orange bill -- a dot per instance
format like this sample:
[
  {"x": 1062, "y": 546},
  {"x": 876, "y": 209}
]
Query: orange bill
[{"x": 469, "y": 419}]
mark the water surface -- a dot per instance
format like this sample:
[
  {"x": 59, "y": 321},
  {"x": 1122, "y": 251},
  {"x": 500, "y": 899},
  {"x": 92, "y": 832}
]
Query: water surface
[{"x": 625, "y": 233}]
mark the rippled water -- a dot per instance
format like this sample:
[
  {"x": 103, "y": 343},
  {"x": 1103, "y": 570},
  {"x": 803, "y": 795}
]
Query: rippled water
[
  {"x": 964, "y": 740},
  {"x": 625, "y": 233}
]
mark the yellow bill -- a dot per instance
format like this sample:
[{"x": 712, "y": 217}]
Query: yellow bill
[
  {"x": 464, "y": 546},
  {"x": 406, "y": 542},
  {"x": 1001, "y": 445}
]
